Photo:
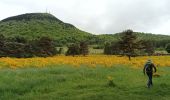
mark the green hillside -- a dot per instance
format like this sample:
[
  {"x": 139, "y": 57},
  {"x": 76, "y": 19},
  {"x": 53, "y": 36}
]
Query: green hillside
[
  {"x": 144, "y": 36},
  {"x": 157, "y": 39},
  {"x": 33, "y": 25}
]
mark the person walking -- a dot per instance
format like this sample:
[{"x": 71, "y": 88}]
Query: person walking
[{"x": 148, "y": 69}]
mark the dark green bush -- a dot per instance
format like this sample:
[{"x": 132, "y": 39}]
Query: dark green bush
[
  {"x": 168, "y": 47},
  {"x": 19, "y": 47}
]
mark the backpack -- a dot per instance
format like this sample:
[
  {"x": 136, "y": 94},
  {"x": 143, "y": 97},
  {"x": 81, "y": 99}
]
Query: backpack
[{"x": 148, "y": 67}]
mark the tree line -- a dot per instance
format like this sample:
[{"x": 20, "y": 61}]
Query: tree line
[
  {"x": 20, "y": 47},
  {"x": 127, "y": 44}
]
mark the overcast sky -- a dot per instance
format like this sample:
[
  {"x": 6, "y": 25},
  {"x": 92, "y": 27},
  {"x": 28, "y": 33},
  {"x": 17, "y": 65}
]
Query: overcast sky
[{"x": 99, "y": 16}]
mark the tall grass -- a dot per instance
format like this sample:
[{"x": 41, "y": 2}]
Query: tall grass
[{"x": 83, "y": 83}]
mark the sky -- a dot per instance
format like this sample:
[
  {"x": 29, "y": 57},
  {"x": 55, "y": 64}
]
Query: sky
[{"x": 99, "y": 16}]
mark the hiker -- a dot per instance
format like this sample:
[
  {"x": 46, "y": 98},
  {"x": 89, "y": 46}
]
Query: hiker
[{"x": 148, "y": 69}]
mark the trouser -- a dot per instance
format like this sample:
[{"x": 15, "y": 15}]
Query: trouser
[{"x": 149, "y": 84}]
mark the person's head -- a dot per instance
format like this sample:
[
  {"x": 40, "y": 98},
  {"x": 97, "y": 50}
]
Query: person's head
[{"x": 149, "y": 61}]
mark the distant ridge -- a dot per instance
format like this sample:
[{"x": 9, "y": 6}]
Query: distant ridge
[{"x": 35, "y": 25}]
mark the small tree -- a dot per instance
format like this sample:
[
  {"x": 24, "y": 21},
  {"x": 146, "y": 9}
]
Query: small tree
[
  {"x": 168, "y": 47},
  {"x": 111, "y": 48},
  {"x": 14, "y": 49},
  {"x": 2, "y": 40},
  {"x": 73, "y": 50},
  {"x": 148, "y": 47},
  {"x": 44, "y": 47},
  {"x": 2, "y": 44},
  {"x": 84, "y": 48},
  {"x": 107, "y": 48},
  {"x": 128, "y": 43},
  {"x": 60, "y": 51},
  {"x": 115, "y": 48}
]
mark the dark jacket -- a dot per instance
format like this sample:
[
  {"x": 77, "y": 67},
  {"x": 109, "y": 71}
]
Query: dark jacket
[{"x": 151, "y": 65}]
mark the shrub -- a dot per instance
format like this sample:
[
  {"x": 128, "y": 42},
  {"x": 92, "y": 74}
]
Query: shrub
[
  {"x": 84, "y": 48},
  {"x": 168, "y": 47},
  {"x": 20, "y": 47},
  {"x": 14, "y": 49},
  {"x": 73, "y": 49}
]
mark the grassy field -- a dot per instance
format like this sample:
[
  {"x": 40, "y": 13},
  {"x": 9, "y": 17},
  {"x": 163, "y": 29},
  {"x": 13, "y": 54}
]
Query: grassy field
[{"x": 83, "y": 83}]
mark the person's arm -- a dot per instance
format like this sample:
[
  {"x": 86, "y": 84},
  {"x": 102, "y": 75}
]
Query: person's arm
[
  {"x": 144, "y": 69},
  {"x": 154, "y": 68}
]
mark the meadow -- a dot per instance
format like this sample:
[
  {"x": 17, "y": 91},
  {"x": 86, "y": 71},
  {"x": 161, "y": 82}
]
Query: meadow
[{"x": 96, "y": 77}]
